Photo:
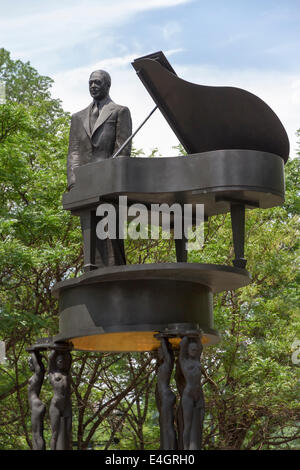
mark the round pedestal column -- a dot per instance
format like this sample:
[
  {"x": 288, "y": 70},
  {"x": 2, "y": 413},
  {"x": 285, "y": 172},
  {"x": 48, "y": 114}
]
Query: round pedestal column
[{"x": 122, "y": 308}]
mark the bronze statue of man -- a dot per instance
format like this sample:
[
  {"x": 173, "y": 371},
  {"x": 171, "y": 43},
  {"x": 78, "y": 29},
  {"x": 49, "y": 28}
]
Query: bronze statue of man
[
  {"x": 97, "y": 133},
  {"x": 38, "y": 408},
  {"x": 99, "y": 130}
]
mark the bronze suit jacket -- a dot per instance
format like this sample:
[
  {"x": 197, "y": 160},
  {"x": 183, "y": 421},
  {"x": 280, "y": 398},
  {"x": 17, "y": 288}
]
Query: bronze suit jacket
[{"x": 111, "y": 129}]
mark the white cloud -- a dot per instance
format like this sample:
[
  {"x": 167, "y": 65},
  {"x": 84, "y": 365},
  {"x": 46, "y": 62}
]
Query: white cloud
[
  {"x": 69, "y": 24},
  {"x": 171, "y": 29},
  {"x": 233, "y": 39}
]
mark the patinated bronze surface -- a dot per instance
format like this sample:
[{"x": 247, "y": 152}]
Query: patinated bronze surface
[
  {"x": 237, "y": 149},
  {"x": 38, "y": 408},
  {"x": 61, "y": 406},
  {"x": 181, "y": 430},
  {"x": 100, "y": 129},
  {"x": 192, "y": 398},
  {"x": 96, "y": 134},
  {"x": 165, "y": 398},
  {"x": 223, "y": 180},
  {"x": 122, "y": 308},
  {"x": 206, "y": 118}
]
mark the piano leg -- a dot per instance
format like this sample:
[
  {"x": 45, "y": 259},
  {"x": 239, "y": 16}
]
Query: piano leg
[
  {"x": 88, "y": 227},
  {"x": 181, "y": 252},
  {"x": 99, "y": 253},
  {"x": 180, "y": 246},
  {"x": 237, "y": 211}
]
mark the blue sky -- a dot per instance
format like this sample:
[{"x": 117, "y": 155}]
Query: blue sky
[{"x": 251, "y": 44}]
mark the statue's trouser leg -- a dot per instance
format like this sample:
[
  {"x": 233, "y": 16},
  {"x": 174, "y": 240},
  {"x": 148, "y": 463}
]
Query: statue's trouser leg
[
  {"x": 88, "y": 227},
  {"x": 100, "y": 253},
  {"x": 180, "y": 244},
  {"x": 181, "y": 251}
]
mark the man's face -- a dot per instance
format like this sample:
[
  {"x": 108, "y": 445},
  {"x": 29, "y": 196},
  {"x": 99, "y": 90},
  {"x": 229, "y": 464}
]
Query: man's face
[{"x": 98, "y": 86}]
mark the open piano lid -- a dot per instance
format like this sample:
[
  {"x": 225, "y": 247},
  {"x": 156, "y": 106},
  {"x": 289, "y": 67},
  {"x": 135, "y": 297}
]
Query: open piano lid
[{"x": 206, "y": 118}]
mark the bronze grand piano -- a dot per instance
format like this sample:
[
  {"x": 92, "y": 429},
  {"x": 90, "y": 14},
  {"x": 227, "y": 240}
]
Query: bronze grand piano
[{"x": 237, "y": 148}]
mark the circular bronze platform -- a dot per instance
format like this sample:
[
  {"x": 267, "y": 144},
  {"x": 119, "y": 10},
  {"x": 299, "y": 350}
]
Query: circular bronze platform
[{"x": 122, "y": 308}]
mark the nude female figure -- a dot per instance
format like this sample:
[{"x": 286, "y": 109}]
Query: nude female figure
[
  {"x": 192, "y": 399},
  {"x": 165, "y": 398},
  {"x": 38, "y": 409},
  {"x": 61, "y": 406}
]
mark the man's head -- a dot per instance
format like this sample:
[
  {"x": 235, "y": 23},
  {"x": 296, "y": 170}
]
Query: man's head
[
  {"x": 99, "y": 84},
  {"x": 60, "y": 362},
  {"x": 194, "y": 349},
  {"x": 63, "y": 360}
]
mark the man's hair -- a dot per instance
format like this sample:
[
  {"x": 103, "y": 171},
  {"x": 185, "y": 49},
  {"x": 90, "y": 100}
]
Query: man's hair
[{"x": 105, "y": 75}]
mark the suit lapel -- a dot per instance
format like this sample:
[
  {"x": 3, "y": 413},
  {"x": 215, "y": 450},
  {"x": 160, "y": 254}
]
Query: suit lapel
[
  {"x": 86, "y": 119},
  {"x": 104, "y": 114}
]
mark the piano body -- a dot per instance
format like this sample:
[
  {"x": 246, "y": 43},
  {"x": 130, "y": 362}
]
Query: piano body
[{"x": 236, "y": 150}]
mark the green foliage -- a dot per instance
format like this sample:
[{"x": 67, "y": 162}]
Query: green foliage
[
  {"x": 40, "y": 243},
  {"x": 251, "y": 385}
]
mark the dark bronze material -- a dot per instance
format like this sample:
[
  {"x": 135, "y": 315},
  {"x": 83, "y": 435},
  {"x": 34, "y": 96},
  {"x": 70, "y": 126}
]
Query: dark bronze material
[
  {"x": 222, "y": 180},
  {"x": 122, "y": 308},
  {"x": 206, "y": 118},
  {"x": 180, "y": 383},
  {"x": 210, "y": 120},
  {"x": 238, "y": 160},
  {"x": 192, "y": 398},
  {"x": 41, "y": 344},
  {"x": 90, "y": 143},
  {"x": 238, "y": 232},
  {"x": 165, "y": 398},
  {"x": 38, "y": 408},
  {"x": 97, "y": 133},
  {"x": 190, "y": 410},
  {"x": 212, "y": 178},
  {"x": 237, "y": 149},
  {"x": 59, "y": 367},
  {"x": 61, "y": 406},
  {"x": 99, "y": 253}
]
